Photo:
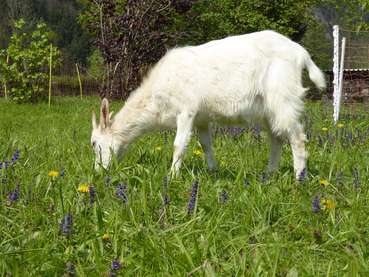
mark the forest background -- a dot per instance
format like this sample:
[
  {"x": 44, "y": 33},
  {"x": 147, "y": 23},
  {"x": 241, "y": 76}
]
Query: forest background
[{"x": 114, "y": 42}]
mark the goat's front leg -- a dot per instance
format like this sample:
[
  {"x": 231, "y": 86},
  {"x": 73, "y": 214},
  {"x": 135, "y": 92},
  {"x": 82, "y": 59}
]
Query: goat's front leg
[
  {"x": 205, "y": 141},
  {"x": 297, "y": 140},
  {"x": 183, "y": 136}
]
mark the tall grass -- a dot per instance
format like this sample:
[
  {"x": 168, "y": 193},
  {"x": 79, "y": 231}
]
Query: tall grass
[{"x": 242, "y": 225}]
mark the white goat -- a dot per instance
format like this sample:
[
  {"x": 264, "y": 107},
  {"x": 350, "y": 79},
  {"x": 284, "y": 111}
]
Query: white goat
[{"x": 230, "y": 81}]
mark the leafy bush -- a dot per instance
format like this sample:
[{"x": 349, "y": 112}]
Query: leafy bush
[
  {"x": 95, "y": 65},
  {"x": 220, "y": 18},
  {"x": 26, "y": 73}
]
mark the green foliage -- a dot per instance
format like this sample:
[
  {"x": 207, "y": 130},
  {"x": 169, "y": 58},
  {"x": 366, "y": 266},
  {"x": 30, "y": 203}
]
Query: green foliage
[
  {"x": 220, "y": 18},
  {"x": 26, "y": 73},
  {"x": 59, "y": 15},
  {"x": 95, "y": 64},
  {"x": 264, "y": 229},
  {"x": 349, "y": 14},
  {"x": 318, "y": 44}
]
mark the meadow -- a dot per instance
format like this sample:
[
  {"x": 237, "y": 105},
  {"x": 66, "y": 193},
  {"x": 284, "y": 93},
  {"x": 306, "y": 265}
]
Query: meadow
[{"x": 59, "y": 217}]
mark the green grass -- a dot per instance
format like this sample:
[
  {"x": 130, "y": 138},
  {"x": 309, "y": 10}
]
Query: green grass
[{"x": 266, "y": 228}]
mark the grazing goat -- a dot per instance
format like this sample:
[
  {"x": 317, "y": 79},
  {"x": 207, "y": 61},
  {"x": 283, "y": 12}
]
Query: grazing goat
[{"x": 234, "y": 80}]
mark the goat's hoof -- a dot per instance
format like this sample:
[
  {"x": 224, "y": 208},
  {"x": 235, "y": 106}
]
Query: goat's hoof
[{"x": 301, "y": 176}]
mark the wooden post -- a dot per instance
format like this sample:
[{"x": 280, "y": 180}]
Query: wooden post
[
  {"x": 5, "y": 86},
  {"x": 50, "y": 72},
  {"x": 80, "y": 82}
]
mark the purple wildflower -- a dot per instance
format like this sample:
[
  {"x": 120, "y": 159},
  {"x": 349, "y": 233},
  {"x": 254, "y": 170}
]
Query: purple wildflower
[
  {"x": 115, "y": 265},
  {"x": 315, "y": 204},
  {"x": 121, "y": 192},
  {"x": 15, "y": 156},
  {"x": 92, "y": 192},
  {"x": 66, "y": 225},
  {"x": 235, "y": 131},
  {"x": 256, "y": 131},
  {"x": 355, "y": 173},
  {"x": 166, "y": 199},
  {"x": 6, "y": 164},
  {"x": 192, "y": 201},
  {"x": 14, "y": 195},
  {"x": 223, "y": 198}
]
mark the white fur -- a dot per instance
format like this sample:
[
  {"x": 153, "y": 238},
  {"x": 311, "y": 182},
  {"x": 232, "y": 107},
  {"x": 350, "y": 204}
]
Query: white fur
[{"x": 230, "y": 81}]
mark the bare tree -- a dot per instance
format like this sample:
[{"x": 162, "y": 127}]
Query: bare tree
[{"x": 131, "y": 37}]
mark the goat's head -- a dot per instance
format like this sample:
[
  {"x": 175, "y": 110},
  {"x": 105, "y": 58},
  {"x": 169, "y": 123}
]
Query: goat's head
[{"x": 103, "y": 141}]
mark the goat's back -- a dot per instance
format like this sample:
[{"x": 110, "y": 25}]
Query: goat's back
[{"x": 229, "y": 79}]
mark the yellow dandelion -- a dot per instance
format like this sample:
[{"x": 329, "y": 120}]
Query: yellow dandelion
[
  {"x": 53, "y": 173},
  {"x": 340, "y": 125},
  {"x": 324, "y": 182},
  {"x": 197, "y": 152},
  {"x": 328, "y": 204},
  {"x": 106, "y": 237},
  {"x": 84, "y": 188},
  {"x": 325, "y": 129},
  {"x": 158, "y": 148}
]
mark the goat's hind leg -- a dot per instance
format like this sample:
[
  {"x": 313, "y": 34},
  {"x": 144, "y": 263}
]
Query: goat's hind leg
[
  {"x": 275, "y": 152},
  {"x": 293, "y": 130},
  {"x": 284, "y": 93},
  {"x": 205, "y": 141}
]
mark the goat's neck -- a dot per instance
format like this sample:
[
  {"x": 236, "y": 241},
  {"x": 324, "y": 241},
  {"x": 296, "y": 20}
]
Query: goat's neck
[{"x": 135, "y": 118}]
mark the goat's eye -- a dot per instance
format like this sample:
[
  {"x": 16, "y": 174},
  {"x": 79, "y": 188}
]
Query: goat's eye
[{"x": 93, "y": 144}]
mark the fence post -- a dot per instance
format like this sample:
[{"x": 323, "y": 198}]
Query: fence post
[
  {"x": 50, "y": 72},
  {"x": 5, "y": 86},
  {"x": 79, "y": 81},
  {"x": 336, "y": 68},
  {"x": 340, "y": 86}
]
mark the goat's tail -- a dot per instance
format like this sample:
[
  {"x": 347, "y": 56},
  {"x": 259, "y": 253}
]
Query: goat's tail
[{"x": 315, "y": 74}]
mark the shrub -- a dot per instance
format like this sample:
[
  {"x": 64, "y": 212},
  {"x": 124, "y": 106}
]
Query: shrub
[
  {"x": 95, "y": 65},
  {"x": 26, "y": 73}
]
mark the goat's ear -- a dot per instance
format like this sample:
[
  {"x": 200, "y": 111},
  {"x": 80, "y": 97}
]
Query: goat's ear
[
  {"x": 94, "y": 122},
  {"x": 104, "y": 114}
]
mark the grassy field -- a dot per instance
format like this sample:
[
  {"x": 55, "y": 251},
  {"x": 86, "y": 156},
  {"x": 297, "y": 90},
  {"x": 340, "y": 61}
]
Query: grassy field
[{"x": 129, "y": 222}]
